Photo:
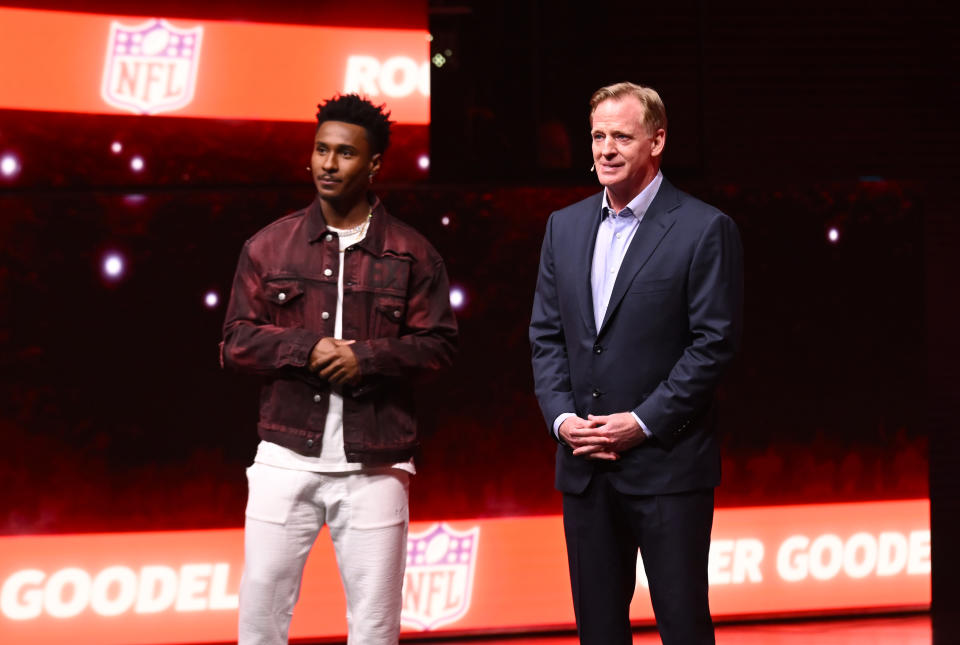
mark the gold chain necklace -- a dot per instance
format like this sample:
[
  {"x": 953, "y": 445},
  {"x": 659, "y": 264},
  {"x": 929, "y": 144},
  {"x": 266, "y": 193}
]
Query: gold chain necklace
[{"x": 360, "y": 230}]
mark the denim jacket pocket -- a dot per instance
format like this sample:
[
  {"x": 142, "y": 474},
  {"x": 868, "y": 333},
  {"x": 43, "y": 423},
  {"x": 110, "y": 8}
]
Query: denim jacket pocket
[
  {"x": 283, "y": 291},
  {"x": 388, "y": 317}
]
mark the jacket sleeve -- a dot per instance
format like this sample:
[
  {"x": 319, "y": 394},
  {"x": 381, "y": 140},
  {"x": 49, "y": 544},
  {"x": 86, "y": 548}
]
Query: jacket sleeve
[
  {"x": 251, "y": 343},
  {"x": 551, "y": 369},
  {"x": 428, "y": 336},
  {"x": 714, "y": 309}
]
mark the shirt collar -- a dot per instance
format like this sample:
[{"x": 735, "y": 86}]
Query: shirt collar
[
  {"x": 375, "y": 239},
  {"x": 639, "y": 204},
  {"x": 317, "y": 223}
]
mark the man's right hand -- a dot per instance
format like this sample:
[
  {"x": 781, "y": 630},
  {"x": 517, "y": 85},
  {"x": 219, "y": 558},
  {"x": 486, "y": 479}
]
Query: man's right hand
[
  {"x": 579, "y": 434},
  {"x": 333, "y": 360}
]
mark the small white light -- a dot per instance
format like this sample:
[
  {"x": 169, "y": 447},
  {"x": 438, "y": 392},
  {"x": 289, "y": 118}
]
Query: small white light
[
  {"x": 113, "y": 265},
  {"x": 9, "y": 165},
  {"x": 211, "y": 299},
  {"x": 423, "y": 162},
  {"x": 116, "y": 147},
  {"x": 438, "y": 59},
  {"x": 457, "y": 298},
  {"x": 136, "y": 164},
  {"x": 833, "y": 235},
  {"x": 445, "y": 220}
]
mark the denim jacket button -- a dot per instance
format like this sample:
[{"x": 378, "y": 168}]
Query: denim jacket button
[
  {"x": 309, "y": 443},
  {"x": 281, "y": 296},
  {"x": 325, "y": 315},
  {"x": 317, "y": 398},
  {"x": 328, "y": 237},
  {"x": 328, "y": 272}
]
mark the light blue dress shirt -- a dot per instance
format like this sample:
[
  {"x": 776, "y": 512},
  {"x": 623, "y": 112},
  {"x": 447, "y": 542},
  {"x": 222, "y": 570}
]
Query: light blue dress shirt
[{"x": 614, "y": 235}]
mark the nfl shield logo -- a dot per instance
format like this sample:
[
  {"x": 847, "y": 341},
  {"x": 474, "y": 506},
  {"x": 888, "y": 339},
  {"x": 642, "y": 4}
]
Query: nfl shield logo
[
  {"x": 152, "y": 67},
  {"x": 438, "y": 583}
]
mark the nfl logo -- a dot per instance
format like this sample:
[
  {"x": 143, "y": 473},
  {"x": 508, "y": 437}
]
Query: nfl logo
[
  {"x": 152, "y": 67},
  {"x": 438, "y": 582}
]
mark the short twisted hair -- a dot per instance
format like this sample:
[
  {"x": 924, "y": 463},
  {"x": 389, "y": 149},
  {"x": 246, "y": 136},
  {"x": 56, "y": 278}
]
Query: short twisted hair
[
  {"x": 654, "y": 114},
  {"x": 351, "y": 108}
]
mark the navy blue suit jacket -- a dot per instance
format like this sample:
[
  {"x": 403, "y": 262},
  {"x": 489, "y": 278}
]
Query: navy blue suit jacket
[{"x": 672, "y": 326}]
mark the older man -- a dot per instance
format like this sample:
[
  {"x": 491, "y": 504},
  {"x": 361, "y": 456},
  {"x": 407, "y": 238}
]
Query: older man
[{"x": 636, "y": 314}]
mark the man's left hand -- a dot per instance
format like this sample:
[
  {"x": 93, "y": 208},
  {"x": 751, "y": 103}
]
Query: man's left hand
[
  {"x": 340, "y": 366},
  {"x": 615, "y": 433}
]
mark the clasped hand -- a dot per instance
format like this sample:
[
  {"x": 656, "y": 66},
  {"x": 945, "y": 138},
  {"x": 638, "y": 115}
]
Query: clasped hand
[
  {"x": 333, "y": 360},
  {"x": 601, "y": 436}
]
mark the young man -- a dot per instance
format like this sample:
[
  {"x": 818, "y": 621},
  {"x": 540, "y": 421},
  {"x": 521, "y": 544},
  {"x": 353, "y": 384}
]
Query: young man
[
  {"x": 337, "y": 306},
  {"x": 635, "y": 316}
]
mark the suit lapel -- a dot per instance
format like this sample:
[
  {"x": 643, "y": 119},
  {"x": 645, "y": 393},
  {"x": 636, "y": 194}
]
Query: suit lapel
[
  {"x": 658, "y": 219},
  {"x": 584, "y": 259}
]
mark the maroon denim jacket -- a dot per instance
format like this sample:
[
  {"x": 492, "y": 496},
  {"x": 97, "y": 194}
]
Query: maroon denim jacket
[{"x": 396, "y": 305}]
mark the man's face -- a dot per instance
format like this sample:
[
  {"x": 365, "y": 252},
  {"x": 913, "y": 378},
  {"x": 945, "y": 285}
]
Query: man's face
[
  {"x": 342, "y": 162},
  {"x": 625, "y": 154}
]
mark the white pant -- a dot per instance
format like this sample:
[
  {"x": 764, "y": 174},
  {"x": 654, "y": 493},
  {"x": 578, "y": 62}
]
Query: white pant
[{"x": 367, "y": 514}]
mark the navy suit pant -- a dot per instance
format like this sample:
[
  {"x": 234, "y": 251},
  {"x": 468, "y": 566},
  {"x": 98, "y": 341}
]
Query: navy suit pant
[{"x": 604, "y": 529}]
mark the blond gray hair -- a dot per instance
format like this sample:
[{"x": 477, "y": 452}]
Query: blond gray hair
[{"x": 654, "y": 114}]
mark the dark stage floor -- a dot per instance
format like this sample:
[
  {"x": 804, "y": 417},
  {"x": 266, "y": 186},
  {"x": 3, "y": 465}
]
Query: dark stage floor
[{"x": 896, "y": 630}]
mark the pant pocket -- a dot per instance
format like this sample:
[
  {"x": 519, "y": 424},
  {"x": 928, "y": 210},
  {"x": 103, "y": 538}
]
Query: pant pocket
[
  {"x": 378, "y": 499},
  {"x": 272, "y": 492}
]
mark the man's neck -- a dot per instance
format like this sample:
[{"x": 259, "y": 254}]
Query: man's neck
[
  {"x": 339, "y": 215},
  {"x": 619, "y": 197},
  {"x": 618, "y": 202}
]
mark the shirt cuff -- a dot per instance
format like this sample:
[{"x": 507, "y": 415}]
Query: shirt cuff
[
  {"x": 559, "y": 421},
  {"x": 643, "y": 426}
]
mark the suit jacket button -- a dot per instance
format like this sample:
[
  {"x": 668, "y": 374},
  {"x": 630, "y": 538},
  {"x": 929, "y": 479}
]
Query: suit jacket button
[
  {"x": 597, "y": 349},
  {"x": 596, "y": 394}
]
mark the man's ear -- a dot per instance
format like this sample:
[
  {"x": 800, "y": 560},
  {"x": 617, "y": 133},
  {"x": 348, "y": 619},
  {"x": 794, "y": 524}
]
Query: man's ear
[{"x": 659, "y": 140}]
